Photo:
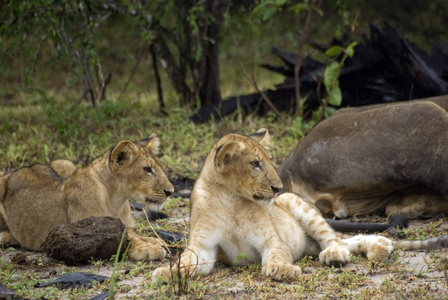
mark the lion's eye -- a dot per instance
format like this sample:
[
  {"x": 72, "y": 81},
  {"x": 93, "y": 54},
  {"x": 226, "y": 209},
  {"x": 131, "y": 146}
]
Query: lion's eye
[
  {"x": 256, "y": 164},
  {"x": 148, "y": 170}
]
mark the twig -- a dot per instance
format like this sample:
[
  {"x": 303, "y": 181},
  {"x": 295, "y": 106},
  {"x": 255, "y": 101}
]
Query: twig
[
  {"x": 157, "y": 77},
  {"x": 155, "y": 232},
  {"x": 299, "y": 59},
  {"x": 251, "y": 77},
  {"x": 312, "y": 43},
  {"x": 141, "y": 53},
  {"x": 89, "y": 89},
  {"x": 104, "y": 84}
]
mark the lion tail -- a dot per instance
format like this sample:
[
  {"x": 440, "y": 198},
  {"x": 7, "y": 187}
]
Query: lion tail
[{"x": 429, "y": 244}]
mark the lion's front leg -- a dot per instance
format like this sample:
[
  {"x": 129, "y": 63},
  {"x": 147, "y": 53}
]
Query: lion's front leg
[
  {"x": 145, "y": 248},
  {"x": 334, "y": 251}
]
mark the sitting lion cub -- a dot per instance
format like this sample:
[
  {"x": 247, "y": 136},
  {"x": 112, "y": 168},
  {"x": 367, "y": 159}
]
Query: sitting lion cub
[
  {"x": 236, "y": 219},
  {"x": 35, "y": 199}
]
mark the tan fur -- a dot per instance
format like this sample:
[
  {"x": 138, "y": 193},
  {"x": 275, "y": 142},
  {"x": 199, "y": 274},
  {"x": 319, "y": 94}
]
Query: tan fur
[
  {"x": 35, "y": 199},
  {"x": 63, "y": 167},
  {"x": 386, "y": 158}
]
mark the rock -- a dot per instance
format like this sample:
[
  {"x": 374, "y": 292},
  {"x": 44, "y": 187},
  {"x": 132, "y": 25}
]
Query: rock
[{"x": 82, "y": 241}]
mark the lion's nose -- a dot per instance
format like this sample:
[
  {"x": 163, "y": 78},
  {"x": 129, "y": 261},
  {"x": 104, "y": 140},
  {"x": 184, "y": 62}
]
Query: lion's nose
[
  {"x": 275, "y": 189},
  {"x": 168, "y": 193}
]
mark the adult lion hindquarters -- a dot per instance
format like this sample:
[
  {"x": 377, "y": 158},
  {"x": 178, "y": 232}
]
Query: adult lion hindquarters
[
  {"x": 384, "y": 158},
  {"x": 37, "y": 198}
]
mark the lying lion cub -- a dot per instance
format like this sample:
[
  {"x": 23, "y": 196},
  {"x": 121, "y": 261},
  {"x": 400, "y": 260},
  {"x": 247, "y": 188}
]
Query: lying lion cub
[
  {"x": 35, "y": 199},
  {"x": 237, "y": 219}
]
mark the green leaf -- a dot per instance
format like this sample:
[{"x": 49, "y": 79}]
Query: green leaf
[
  {"x": 350, "y": 50},
  {"x": 330, "y": 110},
  {"x": 259, "y": 7},
  {"x": 298, "y": 8},
  {"x": 279, "y": 3},
  {"x": 319, "y": 11},
  {"x": 335, "y": 96},
  {"x": 331, "y": 75},
  {"x": 268, "y": 12},
  {"x": 333, "y": 51}
]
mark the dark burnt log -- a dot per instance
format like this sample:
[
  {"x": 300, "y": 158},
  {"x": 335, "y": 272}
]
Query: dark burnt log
[
  {"x": 385, "y": 68},
  {"x": 252, "y": 103},
  {"x": 417, "y": 71},
  {"x": 308, "y": 64}
]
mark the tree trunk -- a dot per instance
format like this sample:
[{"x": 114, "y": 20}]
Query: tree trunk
[
  {"x": 172, "y": 69},
  {"x": 205, "y": 69},
  {"x": 209, "y": 90}
]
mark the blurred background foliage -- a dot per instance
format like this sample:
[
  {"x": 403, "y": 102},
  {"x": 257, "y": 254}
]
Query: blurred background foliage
[
  {"x": 78, "y": 76},
  {"x": 91, "y": 44}
]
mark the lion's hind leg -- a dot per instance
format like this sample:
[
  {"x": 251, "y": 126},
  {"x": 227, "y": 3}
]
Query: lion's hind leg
[
  {"x": 6, "y": 238},
  {"x": 334, "y": 251},
  {"x": 63, "y": 167},
  {"x": 418, "y": 202}
]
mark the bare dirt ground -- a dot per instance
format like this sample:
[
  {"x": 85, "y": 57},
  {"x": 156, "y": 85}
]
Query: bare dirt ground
[{"x": 408, "y": 275}]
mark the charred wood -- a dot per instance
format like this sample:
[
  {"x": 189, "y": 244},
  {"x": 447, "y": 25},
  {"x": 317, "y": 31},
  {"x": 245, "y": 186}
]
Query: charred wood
[{"x": 385, "y": 68}]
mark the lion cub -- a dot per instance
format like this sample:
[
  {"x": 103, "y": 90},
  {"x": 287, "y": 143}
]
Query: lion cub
[
  {"x": 237, "y": 219},
  {"x": 35, "y": 199}
]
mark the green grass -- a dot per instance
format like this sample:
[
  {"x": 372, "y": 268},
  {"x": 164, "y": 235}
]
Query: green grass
[{"x": 42, "y": 132}]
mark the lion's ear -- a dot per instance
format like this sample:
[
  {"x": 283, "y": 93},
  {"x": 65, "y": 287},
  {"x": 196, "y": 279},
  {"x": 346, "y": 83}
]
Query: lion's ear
[
  {"x": 152, "y": 143},
  {"x": 123, "y": 152},
  {"x": 262, "y": 137},
  {"x": 226, "y": 153}
]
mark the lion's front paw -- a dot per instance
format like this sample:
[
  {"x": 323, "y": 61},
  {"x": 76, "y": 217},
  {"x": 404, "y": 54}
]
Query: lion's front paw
[
  {"x": 151, "y": 240},
  {"x": 143, "y": 250},
  {"x": 378, "y": 248},
  {"x": 280, "y": 270},
  {"x": 335, "y": 255},
  {"x": 161, "y": 275},
  {"x": 165, "y": 274}
]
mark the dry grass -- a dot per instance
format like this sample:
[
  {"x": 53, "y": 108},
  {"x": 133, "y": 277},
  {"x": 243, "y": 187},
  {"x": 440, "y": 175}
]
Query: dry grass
[{"x": 408, "y": 275}]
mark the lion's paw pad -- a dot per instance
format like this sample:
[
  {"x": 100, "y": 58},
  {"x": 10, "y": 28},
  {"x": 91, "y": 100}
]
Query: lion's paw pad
[
  {"x": 335, "y": 255},
  {"x": 281, "y": 270},
  {"x": 379, "y": 248}
]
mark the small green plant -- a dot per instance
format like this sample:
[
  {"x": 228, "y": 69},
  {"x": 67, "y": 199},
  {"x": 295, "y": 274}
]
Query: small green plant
[
  {"x": 114, "y": 276},
  {"x": 240, "y": 258},
  {"x": 333, "y": 71}
]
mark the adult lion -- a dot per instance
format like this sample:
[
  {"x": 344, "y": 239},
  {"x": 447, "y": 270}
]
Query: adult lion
[
  {"x": 237, "y": 219},
  {"x": 35, "y": 199},
  {"x": 387, "y": 158}
]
